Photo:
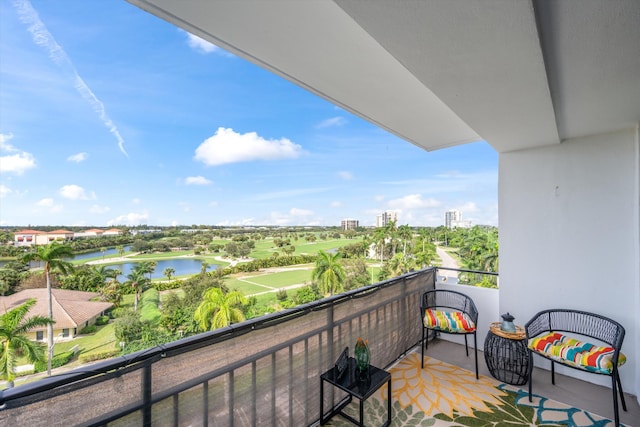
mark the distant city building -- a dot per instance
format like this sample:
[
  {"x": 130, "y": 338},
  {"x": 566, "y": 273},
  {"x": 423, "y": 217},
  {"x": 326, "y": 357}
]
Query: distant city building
[
  {"x": 385, "y": 218},
  {"x": 349, "y": 224},
  {"x": 451, "y": 216},
  {"x": 453, "y": 219}
]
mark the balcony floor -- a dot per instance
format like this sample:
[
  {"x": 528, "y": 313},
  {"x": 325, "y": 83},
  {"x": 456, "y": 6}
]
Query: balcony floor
[{"x": 584, "y": 395}]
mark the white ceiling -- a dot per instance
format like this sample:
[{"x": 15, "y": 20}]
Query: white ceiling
[{"x": 438, "y": 73}]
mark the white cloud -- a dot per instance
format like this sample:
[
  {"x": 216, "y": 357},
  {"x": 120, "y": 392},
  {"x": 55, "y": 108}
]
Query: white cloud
[
  {"x": 135, "y": 201},
  {"x": 287, "y": 194},
  {"x": 47, "y": 202},
  {"x": 4, "y": 145},
  {"x": 132, "y": 218},
  {"x": 75, "y": 192},
  {"x": 378, "y": 198},
  {"x": 468, "y": 207},
  {"x": 346, "y": 175},
  {"x": 43, "y": 38},
  {"x": 413, "y": 201},
  {"x": 300, "y": 212},
  {"x": 332, "y": 122},
  {"x": 4, "y": 190},
  {"x": 97, "y": 209},
  {"x": 199, "y": 44},
  {"x": 295, "y": 216},
  {"x": 336, "y": 204},
  {"x": 197, "y": 180},
  {"x": 17, "y": 161},
  {"x": 78, "y": 158},
  {"x": 50, "y": 205},
  {"x": 227, "y": 146},
  {"x": 213, "y": 204}
]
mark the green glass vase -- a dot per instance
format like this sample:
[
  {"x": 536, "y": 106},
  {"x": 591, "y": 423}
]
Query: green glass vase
[{"x": 361, "y": 354}]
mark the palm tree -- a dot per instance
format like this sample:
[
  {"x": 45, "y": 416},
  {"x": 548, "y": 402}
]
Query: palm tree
[
  {"x": 104, "y": 273},
  {"x": 120, "y": 249},
  {"x": 147, "y": 267},
  {"x": 391, "y": 230},
  {"x": 218, "y": 309},
  {"x": 53, "y": 256},
  {"x": 398, "y": 265},
  {"x": 379, "y": 237},
  {"x": 116, "y": 273},
  {"x": 329, "y": 272},
  {"x": 405, "y": 234},
  {"x": 169, "y": 272},
  {"x": 13, "y": 339},
  {"x": 203, "y": 267},
  {"x": 137, "y": 280}
]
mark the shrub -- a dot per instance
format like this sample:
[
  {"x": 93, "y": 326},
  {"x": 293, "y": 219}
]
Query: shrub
[
  {"x": 164, "y": 286},
  {"x": 281, "y": 295},
  {"x": 102, "y": 320},
  {"x": 57, "y": 361},
  {"x": 86, "y": 358},
  {"x": 88, "y": 330}
]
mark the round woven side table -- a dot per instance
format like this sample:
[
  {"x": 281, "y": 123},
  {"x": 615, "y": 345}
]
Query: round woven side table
[{"x": 506, "y": 355}]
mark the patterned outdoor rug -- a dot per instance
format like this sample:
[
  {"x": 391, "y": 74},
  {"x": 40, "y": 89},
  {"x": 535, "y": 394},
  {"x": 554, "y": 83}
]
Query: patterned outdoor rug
[{"x": 445, "y": 395}]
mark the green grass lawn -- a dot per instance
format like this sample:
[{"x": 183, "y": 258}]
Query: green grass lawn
[
  {"x": 102, "y": 340},
  {"x": 322, "y": 245},
  {"x": 282, "y": 279},
  {"x": 249, "y": 283},
  {"x": 264, "y": 248},
  {"x": 244, "y": 287}
]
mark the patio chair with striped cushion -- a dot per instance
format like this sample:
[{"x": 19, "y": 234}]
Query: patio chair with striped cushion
[
  {"x": 450, "y": 312},
  {"x": 581, "y": 340}
]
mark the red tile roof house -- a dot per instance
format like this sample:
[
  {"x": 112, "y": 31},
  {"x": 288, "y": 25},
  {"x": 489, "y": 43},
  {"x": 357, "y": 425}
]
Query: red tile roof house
[
  {"x": 113, "y": 232},
  {"x": 93, "y": 232},
  {"x": 72, "y": 310},
  {"x": 29, "y": 237},
  {"x": 36, "y": 237}
]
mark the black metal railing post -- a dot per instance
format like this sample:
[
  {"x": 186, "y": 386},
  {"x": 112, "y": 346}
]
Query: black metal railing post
[{"x": 146, "y": 393}]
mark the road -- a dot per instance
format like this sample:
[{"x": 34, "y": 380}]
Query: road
[{"x": 448, "y": 262}]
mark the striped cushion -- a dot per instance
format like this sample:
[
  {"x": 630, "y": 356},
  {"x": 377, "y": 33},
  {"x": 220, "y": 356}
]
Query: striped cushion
[
  {"x": 576, "y": 353},
  {"x": 448, "y": 321}
]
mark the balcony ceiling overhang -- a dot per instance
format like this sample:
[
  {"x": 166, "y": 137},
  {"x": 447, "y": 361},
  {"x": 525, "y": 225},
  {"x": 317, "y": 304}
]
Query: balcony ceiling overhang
[{"x": 439, "y": 73}]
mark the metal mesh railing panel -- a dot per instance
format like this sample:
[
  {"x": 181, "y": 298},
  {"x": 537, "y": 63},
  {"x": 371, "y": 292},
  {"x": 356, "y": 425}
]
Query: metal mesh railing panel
[
  {"x": 259, "y": 373},
  {"x": 80, "y": 404}
]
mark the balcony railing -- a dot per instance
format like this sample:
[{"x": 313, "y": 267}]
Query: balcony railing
[{"x": 264, "y": 371}]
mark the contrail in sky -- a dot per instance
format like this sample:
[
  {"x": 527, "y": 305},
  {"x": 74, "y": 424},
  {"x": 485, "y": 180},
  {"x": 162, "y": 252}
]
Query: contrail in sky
[{"x": 42, "y": 37}]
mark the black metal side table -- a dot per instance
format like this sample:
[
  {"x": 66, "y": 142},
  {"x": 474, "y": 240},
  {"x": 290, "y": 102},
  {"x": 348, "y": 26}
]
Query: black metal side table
[
  {"x": 506, "y": 355},
  {"x": 354, "y": 386}
]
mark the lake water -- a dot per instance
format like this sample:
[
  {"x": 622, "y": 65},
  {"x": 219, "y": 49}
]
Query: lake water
[
  {"x": 98, "y": 254},
  {"x": 182, "y": 266},
  {"x": 87, "y": 255}
]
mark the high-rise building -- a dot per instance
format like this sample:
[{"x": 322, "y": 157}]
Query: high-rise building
[
  {"x": 453, "y": 219},
  {"x": 383, "y": 219},
  {"x": 349, "y": 224},
  {"x": 450, "y": 217}
]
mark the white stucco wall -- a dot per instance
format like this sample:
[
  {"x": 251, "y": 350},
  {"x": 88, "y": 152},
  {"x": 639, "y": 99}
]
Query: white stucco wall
[
  {"x": 486, "y": 301},
  {"x": 569, "y": 235}
]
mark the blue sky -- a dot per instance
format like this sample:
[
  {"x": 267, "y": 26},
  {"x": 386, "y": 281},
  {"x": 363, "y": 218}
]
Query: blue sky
[{"x": 109, "y": 116}]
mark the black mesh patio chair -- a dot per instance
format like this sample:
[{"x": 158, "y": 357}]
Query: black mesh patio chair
[
  {"x": 450, "y": 312},
  {"x": 561, "y": 335}
]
